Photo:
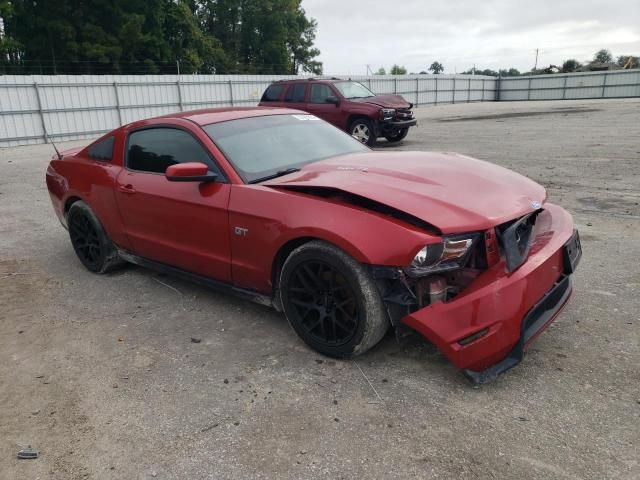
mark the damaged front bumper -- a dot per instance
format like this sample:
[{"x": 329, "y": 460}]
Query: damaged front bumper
[{"x": 485, "y": 329}]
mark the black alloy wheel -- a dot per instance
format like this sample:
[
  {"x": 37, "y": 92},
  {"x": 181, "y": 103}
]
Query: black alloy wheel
[
  {"x": 324, "y": 303},
  {"x": 90, "y": 241},
  {"x": 85, "y": 241},
  {"x": 331, "y": 300}
]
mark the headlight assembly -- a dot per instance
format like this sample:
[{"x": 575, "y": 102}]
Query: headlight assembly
[
  {"x": 450, "y": 254},
  {"x": 387, "y": 113}
]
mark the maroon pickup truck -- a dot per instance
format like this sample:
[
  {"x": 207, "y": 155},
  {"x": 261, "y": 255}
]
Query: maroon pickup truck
[{"x": 346, "y": 104}]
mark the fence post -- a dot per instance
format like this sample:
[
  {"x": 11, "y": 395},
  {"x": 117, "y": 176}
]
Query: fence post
[
  {"x": 529, "y": 89},
  {"x": 482, "y": 100},
  {"x": 564, "y": 87},
  {"x": 115, "y": 88},
  {"x": 179, "y": 94},
  {"x": 497, "y": 85},
  {"x": 604, "y": 84},
  {"x": 436, "y": 89},
  {"x": 231, "y": 92},
  {"x": 468, "y": 90},
  {"x": 417, "y": 91},
  {"x": 44, "y": 127},
  {"x": 454, "y": 90},
  {"x": 395, "y": 85}
]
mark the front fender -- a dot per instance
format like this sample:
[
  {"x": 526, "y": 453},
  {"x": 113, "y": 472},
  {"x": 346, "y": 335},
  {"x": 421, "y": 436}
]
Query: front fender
[{"x": 267, "y": 219}]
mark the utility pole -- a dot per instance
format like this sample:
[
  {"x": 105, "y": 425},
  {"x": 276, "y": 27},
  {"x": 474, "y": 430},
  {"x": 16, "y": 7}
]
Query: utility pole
[{"x": 535, "y": 67}]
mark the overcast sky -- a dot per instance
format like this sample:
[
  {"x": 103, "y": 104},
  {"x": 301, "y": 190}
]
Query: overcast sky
[{"x": 458, "y": 33}]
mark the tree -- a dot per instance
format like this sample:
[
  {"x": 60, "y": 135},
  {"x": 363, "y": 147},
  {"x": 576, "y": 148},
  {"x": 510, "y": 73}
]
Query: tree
[
  {"x": 571, "y": 65},
  {"x": 150, "y": 36},
  {"x": 436, "y": 68},
  {"x": 603, "y": 56},
  {"x": 631, "y": 60},
  {"x": 381, "y": 71},
  {"x": 398, "y": 70}
]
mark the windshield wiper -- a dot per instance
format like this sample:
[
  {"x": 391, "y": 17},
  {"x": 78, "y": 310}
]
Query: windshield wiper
[{"x": 279, "y": 173}]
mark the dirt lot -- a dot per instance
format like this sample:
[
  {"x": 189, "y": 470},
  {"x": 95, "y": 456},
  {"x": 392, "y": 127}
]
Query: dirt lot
[{"x": 100, "y": 374}]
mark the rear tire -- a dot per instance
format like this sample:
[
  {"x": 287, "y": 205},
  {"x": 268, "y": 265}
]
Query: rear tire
[
  {"x": 90, "y": 242},
  {"x": 362, "y": 130},
  {"x": 397, "y": 136},
  {"x": 331, "y": 301}
]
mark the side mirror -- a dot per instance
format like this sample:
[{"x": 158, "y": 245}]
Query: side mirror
[
  {"x": 190, "y": 172},
  {"x": 332, "y": 99}
]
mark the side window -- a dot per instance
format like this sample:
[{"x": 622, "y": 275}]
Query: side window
[
  {"x": 272, "y": 94},
  {"x": 295, "y": 93},
  {"x": 102, "y": 150},
  {"x": 155, "y": 149},
  {"x": 319, "y": 93}
]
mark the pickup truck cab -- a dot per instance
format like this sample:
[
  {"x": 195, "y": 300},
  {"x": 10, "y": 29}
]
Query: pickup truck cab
[{"x": 346, "y": 104}]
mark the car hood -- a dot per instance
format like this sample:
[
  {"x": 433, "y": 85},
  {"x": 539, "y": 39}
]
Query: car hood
[
  {"x": 385, "y": 101},
  {"x": 452, "y": 192}
]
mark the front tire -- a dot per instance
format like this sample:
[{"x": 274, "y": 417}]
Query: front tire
[
  {"x": 397, "y": 135},
  {"x": 362, "y": 130},
  {"x": 331, "y": 301},
  {"x": 90, "y": 242}
]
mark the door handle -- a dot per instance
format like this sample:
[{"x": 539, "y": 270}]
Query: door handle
[{"x": 128, "y": 188}]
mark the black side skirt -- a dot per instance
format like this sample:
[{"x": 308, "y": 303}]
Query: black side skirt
[{"x": 199, "y": 279}]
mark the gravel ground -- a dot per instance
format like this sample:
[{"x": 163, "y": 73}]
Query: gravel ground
[{"x": 101, "y": 375}]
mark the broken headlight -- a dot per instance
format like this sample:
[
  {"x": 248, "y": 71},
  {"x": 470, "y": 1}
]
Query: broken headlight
[
  {"x": 450, "y": 254},
  {"x": 387, "y": 113}
]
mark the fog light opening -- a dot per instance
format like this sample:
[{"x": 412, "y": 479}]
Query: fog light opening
[{"x": 474, "y": 337}]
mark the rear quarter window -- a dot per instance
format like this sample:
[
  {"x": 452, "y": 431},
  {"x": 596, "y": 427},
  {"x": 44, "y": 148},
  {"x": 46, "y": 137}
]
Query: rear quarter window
[
  {"x": 102, "y": 150},
  {"x": 272, "y": 94}
]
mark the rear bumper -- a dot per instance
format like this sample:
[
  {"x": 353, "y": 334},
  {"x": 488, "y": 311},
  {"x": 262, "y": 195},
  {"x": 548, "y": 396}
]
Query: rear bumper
[{"x": 506, "y": 311}]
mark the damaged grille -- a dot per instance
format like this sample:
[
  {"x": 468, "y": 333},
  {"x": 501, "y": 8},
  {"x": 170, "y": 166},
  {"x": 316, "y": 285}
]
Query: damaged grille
[
  {"x": 514, "y": 239},
  {"x": 404, "y": 114}
]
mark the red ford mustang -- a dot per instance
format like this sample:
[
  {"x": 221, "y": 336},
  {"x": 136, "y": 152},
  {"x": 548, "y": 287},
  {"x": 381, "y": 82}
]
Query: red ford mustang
[{"x": 287, "y": 210}]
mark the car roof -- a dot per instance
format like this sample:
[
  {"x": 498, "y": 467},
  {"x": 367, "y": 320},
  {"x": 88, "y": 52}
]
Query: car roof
[
  {"x": 216, "y": 115},
  {"x": 318, "y": 80}
]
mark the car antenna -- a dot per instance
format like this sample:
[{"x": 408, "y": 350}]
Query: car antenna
[{"x": 54, "y": 146}]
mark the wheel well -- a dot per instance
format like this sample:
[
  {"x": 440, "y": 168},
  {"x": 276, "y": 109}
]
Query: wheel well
[
  {"x": 70, "y": 201},
  {"x": 354, "y": 117},
  {"x": 282, "y": 256}
]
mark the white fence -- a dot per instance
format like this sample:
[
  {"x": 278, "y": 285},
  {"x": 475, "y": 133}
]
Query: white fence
[
  {"x": 67, "y": 107},
  {"x": 571, "y": 86}
]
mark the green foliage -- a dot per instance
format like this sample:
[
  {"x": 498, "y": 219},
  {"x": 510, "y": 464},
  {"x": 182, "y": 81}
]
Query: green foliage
[
  {"x": 381, "y": 71},
  {"x": 398, "y": 70},
  {"x": 571, "y": 65},
  {"x": 436, "y": 68},
  {"x": 603, "y": 56},
  {"x": 150, "y": 36}
]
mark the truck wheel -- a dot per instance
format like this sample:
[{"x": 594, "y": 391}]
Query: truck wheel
[
  {"x": 362, "y": 130},
  {"x": 331, "y": 301},
  {"x": 397, "y": 135},
  {"x": 90, "y": 242}
]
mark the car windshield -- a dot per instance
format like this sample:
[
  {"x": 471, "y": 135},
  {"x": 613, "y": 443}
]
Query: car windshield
[
  {"x": 353, "y": 90},
  {"x": 261, "y": 148}
]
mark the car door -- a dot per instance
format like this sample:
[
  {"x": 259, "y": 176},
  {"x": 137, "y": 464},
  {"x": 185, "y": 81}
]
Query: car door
[
  {"x": 183, "y": 224},
  {"x": 318, "y": 105}
]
